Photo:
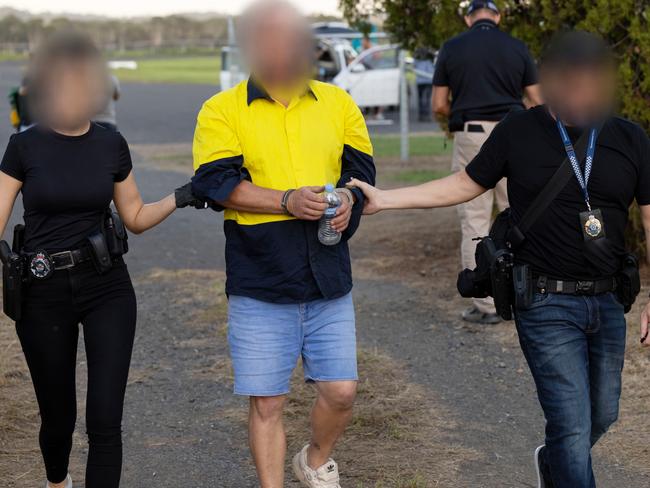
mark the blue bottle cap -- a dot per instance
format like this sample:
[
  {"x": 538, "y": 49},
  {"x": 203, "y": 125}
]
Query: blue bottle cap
[{"x": 329, "y": 188}]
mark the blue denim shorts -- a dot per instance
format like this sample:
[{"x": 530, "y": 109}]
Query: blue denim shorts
[{"x": 267, "y": 339}]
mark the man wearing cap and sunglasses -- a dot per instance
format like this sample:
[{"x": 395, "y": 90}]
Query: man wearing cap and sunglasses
[{"x": 481, "y": 76}]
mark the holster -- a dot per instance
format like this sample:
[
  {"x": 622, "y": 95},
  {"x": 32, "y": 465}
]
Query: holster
[
  {"x": 13, "y": 275},
  {"x": 522, "y": 279},
  {"x": 101, "y": 256},
  {"x": 493, "y": 273},
  {"x": 628, "y": 282},
  {"x": 109, "y": 242},
  {"x": 117, "y": 238}
]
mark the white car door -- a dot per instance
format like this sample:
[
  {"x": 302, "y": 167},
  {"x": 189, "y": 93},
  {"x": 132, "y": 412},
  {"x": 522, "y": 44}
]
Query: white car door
[{"x": 373, "y": 78}]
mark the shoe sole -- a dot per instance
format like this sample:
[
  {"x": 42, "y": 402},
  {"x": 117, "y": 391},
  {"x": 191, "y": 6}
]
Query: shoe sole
[
  {"x": 536, "y": 459},
  {"x": 297, "y": 471}
]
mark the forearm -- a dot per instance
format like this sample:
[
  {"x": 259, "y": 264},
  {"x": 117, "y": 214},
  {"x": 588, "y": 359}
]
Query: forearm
[
  {"x": 151, "y": 214},
  {"x": 446, "y": 192},
  {"x": 645, "y": 221},
  {"x": 646, "y": 226},
  {"x": 247, "y": 197}
]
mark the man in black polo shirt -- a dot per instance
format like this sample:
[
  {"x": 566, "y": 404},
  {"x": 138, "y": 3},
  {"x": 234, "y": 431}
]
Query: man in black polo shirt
[
  {"x": 573, "y": 331},
  {"x": 487, "y": 73}
]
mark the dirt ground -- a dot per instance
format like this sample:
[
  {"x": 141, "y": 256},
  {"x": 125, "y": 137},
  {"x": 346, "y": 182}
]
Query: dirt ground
[{"x": 441, "y": 403}]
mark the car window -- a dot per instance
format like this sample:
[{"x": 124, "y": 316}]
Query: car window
[{"x": 383, "y": 59}]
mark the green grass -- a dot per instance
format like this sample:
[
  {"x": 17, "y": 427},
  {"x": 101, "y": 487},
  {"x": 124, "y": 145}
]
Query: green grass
[
  {"x": 191, "y": 70},
  {"x": 420, "y": 175},
  {"x": 7, "y": 56},
  {"x": 388, "y": 146}
]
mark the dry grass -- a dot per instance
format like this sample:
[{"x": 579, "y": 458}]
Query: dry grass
[
  {"x": 399, "y": 436},
  {"x": 19, "y": 419},
  {"x": 628, "y": 444}
]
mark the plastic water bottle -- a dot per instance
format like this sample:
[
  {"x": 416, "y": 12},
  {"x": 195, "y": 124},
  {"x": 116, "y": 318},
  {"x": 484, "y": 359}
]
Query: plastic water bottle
[{"x": 326, "y": 235}]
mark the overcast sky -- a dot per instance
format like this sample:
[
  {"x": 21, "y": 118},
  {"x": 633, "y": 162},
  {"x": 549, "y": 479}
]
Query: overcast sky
[{"x": 122, "y": 8}]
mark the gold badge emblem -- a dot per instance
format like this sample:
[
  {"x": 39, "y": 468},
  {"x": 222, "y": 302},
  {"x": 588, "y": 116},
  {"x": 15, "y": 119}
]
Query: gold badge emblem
[{"x": 593, "y": 227}]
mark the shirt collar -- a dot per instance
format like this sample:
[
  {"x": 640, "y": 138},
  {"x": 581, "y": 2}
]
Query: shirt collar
[
  {"x": 485, "y": 24},
  {"x": 256, "y": 92}
]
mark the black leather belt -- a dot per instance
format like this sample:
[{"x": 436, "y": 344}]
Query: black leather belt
[
  {"x": 70, "y": 259},
  {"x": 475, "y": 128},
  {"x": 589, "y": 288}
]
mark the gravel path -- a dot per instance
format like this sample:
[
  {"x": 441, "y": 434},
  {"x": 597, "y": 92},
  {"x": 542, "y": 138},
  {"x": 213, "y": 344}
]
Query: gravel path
[{"x": 176, "y": 432}]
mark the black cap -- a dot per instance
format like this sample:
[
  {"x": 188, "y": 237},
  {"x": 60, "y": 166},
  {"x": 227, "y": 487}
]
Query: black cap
[
  {"x": 577, "y": 48},
  {"x": 481, "y": 4}
]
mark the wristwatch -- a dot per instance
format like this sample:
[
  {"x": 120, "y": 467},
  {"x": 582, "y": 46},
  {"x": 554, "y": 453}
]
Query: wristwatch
[{"x": 285, "y": 201}]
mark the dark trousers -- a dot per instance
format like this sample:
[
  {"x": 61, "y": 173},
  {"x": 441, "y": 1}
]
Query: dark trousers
[
  {"x": 106, "y": 307},
  {"x": 425, "y": 92},
  {"x": 575, "y": 348}
]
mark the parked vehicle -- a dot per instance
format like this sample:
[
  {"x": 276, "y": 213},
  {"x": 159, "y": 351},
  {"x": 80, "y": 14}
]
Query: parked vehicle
[
  {"x": 232, "y": 71},
  {"x": 372, "y": 78},
  {"x": 332, "y": 56}
]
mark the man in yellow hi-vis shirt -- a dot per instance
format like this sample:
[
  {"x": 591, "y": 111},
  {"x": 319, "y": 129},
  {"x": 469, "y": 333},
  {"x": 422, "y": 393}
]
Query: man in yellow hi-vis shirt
[{"x": 263, "y": 152}]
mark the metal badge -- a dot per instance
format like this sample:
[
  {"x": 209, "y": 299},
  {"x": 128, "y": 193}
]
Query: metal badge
[
  {"x": 41, "y": 266},
  {"x": 592, "y": 224}
]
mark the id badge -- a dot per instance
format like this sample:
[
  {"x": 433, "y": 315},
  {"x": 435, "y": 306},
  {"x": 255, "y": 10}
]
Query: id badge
[{"x": 592, "y": 224}]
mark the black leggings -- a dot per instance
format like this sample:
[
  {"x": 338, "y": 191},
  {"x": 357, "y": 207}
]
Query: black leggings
[{"x": 106, "y": 307}]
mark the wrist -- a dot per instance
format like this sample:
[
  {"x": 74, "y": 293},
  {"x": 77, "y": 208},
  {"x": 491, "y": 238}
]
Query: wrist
[{"x": 285, "y": 202}]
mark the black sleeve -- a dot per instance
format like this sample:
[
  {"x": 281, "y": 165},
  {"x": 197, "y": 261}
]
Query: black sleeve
[
  {"x": 643, "y": 183},
  {"x": 490, "y": 165},
  {"x": 215, "y": 181},
  {"x": 440, "y": 76},
  {"x": 356, "y": 164},
  {"x": 124, "y": 165},
  {"x": 530, "y": 69},
  {"x": 12, "y": 164}
]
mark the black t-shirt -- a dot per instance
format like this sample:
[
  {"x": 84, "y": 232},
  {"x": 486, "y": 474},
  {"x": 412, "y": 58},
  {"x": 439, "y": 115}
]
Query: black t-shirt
[
  {"x": 526, "y": 148},
  {"x": 486, "y": 71},
  {"x": 68, "y": 182}
]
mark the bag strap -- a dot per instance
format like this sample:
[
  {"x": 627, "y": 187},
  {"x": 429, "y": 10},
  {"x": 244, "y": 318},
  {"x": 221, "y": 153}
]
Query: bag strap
[{"x": 556, "y": 184}]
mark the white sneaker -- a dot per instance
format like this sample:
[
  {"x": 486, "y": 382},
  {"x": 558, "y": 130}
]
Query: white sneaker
[
  {"x": 68, "y": 483},
  {"x": 327, "y": 476}
]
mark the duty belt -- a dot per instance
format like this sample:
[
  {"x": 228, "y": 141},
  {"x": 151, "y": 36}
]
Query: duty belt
[
  {"x": 68, "y": 259},
  {"x": 589, "y": 288}
]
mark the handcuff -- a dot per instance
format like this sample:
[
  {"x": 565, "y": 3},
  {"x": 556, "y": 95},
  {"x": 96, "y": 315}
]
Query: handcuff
[{"x": 285, "y": 198}]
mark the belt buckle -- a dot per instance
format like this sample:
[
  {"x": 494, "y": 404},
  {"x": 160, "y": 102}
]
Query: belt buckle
[
  {"x": 65, "y": 254},
  {"x": 584, "y": 287}
]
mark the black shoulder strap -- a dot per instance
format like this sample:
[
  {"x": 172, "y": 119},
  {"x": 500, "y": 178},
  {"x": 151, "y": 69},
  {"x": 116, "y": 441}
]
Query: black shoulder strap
[{"x": 549, "y": 193}]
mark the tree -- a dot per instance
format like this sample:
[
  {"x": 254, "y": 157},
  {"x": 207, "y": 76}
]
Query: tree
[{"x": 625, "y": 24}]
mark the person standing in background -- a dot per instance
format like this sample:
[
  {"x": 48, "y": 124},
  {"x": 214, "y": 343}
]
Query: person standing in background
[
  {"x": 481, "y": 76},
  {"x": 423, "y": 75},
  {"x": 107, "y": 118}
]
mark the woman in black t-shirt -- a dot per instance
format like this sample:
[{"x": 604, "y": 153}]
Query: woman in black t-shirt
[{"x": 68, "y": 171}]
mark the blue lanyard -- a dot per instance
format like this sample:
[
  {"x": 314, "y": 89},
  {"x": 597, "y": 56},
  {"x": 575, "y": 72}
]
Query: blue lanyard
[{"x": 583, "y": 179}]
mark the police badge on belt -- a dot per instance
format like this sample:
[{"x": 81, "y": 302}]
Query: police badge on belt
[
  {"x": 41, "y": 266},
  {"x": 592, "y": 224}
]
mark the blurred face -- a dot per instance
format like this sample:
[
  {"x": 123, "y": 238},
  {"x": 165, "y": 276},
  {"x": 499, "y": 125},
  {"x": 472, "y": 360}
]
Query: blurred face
[
  {"x": 72, "y": 92},
  {"x": 580, "y": 95},
  {"x": 279, "y": 49}
]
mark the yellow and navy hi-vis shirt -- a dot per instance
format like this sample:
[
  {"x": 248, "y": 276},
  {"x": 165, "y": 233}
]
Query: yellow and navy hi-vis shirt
[{"x": 320, "y": 138}]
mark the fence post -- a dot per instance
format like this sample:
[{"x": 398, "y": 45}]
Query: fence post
[
  {"x": 404, "y": 108},
  {"x": 232, "y": 58}
]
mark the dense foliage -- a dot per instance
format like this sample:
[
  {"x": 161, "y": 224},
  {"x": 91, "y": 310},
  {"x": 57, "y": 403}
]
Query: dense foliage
[{"x": 624, "y": 23}]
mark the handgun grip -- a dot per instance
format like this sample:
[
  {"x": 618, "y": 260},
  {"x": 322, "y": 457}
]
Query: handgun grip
[{"x": 5, "y": 252}]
